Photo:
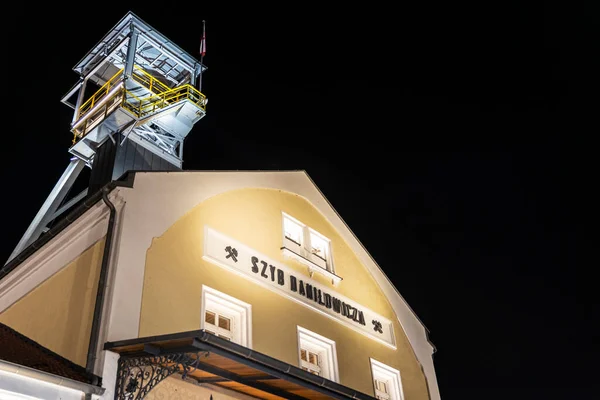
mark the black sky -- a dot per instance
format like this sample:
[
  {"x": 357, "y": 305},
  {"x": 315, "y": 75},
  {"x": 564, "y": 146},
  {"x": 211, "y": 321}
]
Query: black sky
[{"x": 455, "y": 140}]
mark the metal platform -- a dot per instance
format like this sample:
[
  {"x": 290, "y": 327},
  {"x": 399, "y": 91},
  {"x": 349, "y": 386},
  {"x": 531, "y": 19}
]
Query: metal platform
[{"x": 143, "y": 109}]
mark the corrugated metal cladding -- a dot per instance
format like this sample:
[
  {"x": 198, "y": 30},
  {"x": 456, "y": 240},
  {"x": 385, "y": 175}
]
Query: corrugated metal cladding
[
  {"x": 133, "y": 157},
  {"x": 111, "y": 161},
  {"x": 102, "y": 168}
]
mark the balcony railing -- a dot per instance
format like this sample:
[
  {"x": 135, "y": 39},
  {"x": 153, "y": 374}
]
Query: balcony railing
[
  {"x": 100, "y": 94},
  {"x": 149, "y": 105},
  {"x": 113, "y": 93}
]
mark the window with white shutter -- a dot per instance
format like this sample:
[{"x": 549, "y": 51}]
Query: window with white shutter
[
  {"x": 386, "y": 381},
  {"x": 308, "y": 246},
  {"x": 226, "y": 317},
  {"x": 317, "y": 354}
]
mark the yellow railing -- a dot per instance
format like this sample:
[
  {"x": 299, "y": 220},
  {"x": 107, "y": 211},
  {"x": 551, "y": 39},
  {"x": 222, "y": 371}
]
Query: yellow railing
[
  {"x": 140, "y": 107},
  {"x": 150, "y": 82},
  {"x": 100, "y": 93},
  {"x": 139, "y": 75},
  {"x": 149, "y": 105}
]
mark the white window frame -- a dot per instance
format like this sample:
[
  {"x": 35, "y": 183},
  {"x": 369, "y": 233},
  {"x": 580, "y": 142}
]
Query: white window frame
[
  {"x": 302, "y": 252},
  {"x": 322, "y": 346},
  {"x": 228, "y": 306},
  {"x": 382, "y": 394},
  {"x": 216, "y": 329},
  {"x": 307, "y": 364},
  {"x": 389, "y": 375}
]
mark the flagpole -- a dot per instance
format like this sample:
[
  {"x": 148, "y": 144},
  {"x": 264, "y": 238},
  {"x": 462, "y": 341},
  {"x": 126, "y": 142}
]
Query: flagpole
[
  {"x": 202, "y": 51},
  {"x": 200, "y": 79}
]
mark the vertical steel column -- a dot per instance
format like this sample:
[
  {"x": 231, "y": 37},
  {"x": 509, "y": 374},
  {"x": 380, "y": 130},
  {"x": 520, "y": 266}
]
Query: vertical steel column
[
  {"x": 195, "y": 74},
  {"x": 131, "y": 48},
  {"x": 50, "y": 206}
]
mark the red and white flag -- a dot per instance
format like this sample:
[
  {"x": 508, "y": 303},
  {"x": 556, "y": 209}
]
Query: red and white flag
[{"x": 203, "y": 41}]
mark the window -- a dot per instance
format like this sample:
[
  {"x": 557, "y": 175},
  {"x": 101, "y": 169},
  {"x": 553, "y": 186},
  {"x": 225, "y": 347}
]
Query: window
[
  {"x": 308, "y": 247},
  {"x": 381, "y": 389},
  {"x": 317, "y": 354},
  {"x": 319, "y": 247},
  {"x": 293, "y": 231},
  {"x": 310, "y": 361},
  {"x": 219, "y": 324},
  {"x": 386, "y": 381},
  {"x": 226, "y": 317}
]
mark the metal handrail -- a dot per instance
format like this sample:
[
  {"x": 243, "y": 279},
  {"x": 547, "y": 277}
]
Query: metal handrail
[
  {"x": 139, "y": 75},
  {"x": 151, "y": 83},
  {"x": 151, "y": 104},
  {"x": 100, "y": 93},
  {"x": 163, "y": 96}
]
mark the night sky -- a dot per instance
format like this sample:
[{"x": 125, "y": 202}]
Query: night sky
[{"x": 455, "y": 140}]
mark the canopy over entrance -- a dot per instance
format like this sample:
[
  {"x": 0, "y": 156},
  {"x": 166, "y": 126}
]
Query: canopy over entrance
[{"x": 206, "y": 358}]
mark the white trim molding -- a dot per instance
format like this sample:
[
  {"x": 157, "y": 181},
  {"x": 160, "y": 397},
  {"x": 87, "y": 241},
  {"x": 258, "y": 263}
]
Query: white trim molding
[
  {"x": 61, "y": 250},
  {"x": 390, "y": 376},
  {"x": 19, "y": 383},
  {"x": 299, "y": 249}
]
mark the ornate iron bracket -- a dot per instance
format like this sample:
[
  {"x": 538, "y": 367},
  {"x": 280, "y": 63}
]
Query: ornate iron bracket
[{"x": 137, "y": 376}]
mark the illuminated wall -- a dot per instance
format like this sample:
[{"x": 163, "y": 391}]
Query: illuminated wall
[
  {"x": 176, "y": 272},
  {"x": 58, "y": 313},
  {"x": 174, "y": 388}
]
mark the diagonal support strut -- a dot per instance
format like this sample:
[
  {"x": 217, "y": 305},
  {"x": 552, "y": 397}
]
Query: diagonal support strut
[{"x": 50, "y": 206}]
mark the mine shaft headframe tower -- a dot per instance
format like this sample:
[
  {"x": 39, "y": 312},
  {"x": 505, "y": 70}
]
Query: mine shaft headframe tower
[
  {"x": 146, "y": 87},
  {"x": 134, "y": 104}
]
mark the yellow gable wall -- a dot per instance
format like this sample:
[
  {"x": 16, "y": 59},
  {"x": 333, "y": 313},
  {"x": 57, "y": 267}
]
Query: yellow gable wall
[
  {"x": 58, "y": 313},
  {"x": 175, "y": 273}
]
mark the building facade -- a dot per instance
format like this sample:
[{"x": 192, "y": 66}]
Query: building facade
[
  {"x": 259, "y": 259},
  {"x": 192, "y": 284}
]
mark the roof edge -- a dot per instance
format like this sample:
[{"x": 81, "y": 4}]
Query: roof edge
[
  {"x": 94, "y": 380},
  {"x": 126, "y": 180},
  {"x": 132, "y": 18},
  {"x": 427, "y": 331}
]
